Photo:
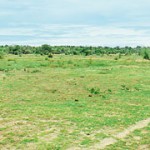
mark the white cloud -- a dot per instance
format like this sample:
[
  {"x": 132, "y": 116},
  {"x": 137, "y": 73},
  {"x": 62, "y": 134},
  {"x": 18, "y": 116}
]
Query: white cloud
[
  {"x": 75, "y": 22},
  {"x": 76, "y": 35},
  {"x": 17, "y": 32}
]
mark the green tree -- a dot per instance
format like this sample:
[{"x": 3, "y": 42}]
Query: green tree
[{"x": 45, "y": 49}]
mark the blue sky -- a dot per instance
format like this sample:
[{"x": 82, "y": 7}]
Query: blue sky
[{"x": 75, "y": 22}]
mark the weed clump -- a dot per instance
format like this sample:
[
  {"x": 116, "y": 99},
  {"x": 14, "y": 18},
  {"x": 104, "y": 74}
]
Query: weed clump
[
  {"x": 109, "y": 90},
  {"x": 125, "y": 88},
  {"x": 50, "y": 55},
  {"x": 46, "y": 58},
  {"x": 118, "y": 57},
  {"x": 35, "y": 71},
  {"x": 94, "y": 91},
  {"x": 11, "y": 59}
]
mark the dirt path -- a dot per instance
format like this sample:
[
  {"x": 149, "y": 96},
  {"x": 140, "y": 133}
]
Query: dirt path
[
  {"x": 138, "y": 125},
  {"x": 121, "y": 135},
  {"x": 105, "y": 142},
  {"x": 114, "y": 139}
]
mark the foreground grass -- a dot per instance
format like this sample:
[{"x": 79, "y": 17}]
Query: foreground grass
[{"x": 72, "y": 101}]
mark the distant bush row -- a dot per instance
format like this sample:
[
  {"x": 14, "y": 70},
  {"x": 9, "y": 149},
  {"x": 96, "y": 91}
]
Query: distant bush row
[{"x": 74, "y": 50}]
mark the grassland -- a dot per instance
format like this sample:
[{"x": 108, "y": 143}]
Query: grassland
[{"x": 73, "y": 102}]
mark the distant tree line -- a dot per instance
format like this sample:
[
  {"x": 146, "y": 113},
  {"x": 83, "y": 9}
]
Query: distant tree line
[{"x": 74, "y": 50}]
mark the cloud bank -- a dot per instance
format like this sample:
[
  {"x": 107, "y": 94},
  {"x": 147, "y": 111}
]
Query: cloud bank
[{"x": 75, "y": 22}]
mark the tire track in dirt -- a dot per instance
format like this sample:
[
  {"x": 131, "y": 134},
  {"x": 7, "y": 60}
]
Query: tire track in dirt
[
  {"x": 138, "y": 125},
  {"x": 114, "y": 139},
  {"x": 121, "y": 135}
]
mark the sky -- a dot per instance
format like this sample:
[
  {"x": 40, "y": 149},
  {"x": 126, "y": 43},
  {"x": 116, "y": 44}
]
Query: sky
[{"x": 75, "y": 22}]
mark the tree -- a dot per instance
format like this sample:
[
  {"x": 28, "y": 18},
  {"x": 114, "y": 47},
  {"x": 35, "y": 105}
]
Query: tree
[{"x": 46, "y": 49}]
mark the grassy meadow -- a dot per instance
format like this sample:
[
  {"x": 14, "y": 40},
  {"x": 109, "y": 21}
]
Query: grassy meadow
[{"x": 73, "y": 102}]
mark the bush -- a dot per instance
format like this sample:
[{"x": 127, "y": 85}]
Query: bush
[
  {"x": 50, "y": 55},
  {"x": 46, "y": 58},
  {"x": 94, "y": 91},
  {"x": 146, "y": 55},
  {"x": 116, "y": 58},
  {"x": 119, "y": 56},
  {"x": 1, "y": 55}
]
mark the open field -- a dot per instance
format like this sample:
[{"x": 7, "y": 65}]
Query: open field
[{"x": 74, "y": 102}]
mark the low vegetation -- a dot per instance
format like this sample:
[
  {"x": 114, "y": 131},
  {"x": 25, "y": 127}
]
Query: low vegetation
[{"x": 72, "y": 102}]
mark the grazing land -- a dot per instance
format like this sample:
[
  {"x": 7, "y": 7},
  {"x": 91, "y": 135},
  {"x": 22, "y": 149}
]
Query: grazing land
[{"x": 74, "y": 102}]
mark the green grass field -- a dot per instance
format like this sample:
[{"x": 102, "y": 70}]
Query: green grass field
[{"x": 73, "y": 102}]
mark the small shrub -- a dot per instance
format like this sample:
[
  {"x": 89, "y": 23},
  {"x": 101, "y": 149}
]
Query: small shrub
[
  {"x": 53, "y": 91},
  {"x": 94, "y": 91},
  {"x": 116, "y": 58},
  {"x": 35, "y": 71},
  {"x": 25, "y": 69},
  {"x": 146, "y": 55},
  {"x": 109, "y": 90},
  {"x": 2, "y": 69},
  {"x": 1, "y": 55},
  {"x": 46, "y": 58},
  {"x": 70, "y": 62},
  {"x": 103, "y": 96},
  {"x": 119, "y": 56},
  {"x": 50, "y": 55},
  {"x": 124, "y": 87}
]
